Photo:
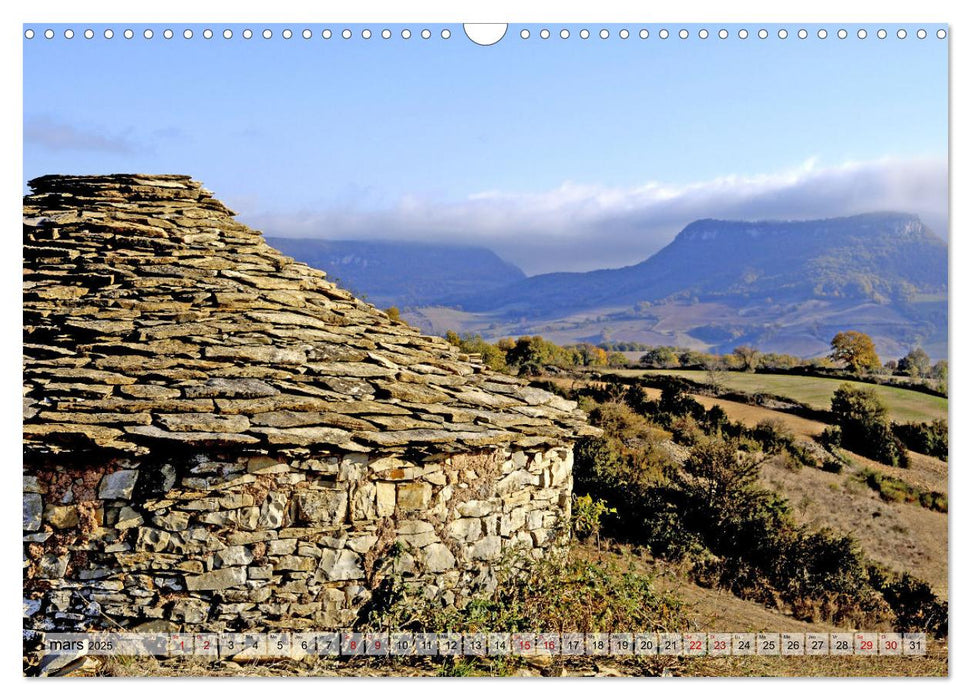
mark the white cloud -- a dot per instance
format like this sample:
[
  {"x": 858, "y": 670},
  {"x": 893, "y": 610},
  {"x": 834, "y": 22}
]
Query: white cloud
[
  {"x": 56, "y": 135},
  {"x": 580, "y": 226}
]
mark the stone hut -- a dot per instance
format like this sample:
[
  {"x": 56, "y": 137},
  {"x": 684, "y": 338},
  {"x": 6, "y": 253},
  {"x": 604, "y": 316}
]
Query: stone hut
[{"x": 218, "y": 438}]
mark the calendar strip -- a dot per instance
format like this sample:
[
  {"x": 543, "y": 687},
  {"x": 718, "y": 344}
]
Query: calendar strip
[{"x": 452, "y": 644}]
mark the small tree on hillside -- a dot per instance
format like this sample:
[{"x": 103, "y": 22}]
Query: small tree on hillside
[
  {"x": 661, "y": 357},
  {"x": 724, "y": 475},
  {"x": 865, "y": 425},
  {"x": 617, "y": 359},
  {"x": 748, "y": 357},
  {"x": 856, "y": 350},
  {"x": 915, "y": 363}
]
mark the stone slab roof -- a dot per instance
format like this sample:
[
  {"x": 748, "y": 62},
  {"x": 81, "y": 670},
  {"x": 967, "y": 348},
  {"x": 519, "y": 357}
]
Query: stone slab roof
[{"x": 153, "y": 318}]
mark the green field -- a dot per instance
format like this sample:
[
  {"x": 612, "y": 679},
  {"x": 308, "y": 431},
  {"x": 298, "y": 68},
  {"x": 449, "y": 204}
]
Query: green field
[{"x": 903, "y": 404}]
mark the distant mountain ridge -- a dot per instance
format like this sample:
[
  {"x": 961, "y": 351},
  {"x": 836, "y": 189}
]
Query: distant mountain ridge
[
  {"x": 880, "y": 257},
  {"x": 395, "y": 273},
  {"x": 781, "y": 286}
]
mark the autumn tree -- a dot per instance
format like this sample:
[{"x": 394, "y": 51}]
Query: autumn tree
[
  {"x": 856, "y": 350},
  {"x": 505, "y": 344},
  {"x": 616, "y": 359},
  {"x": 531, "y": 353},
  {"x": 591, "y": 355},
  {"x": 748, "y": 357},
  {"x": 492, "y": 356}
]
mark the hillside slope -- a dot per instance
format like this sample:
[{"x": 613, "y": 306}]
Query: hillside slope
[
  {"x": 781, "y": 286},
  {"x": 887, "y": 258},
  {"x": 394, "y": 273}
]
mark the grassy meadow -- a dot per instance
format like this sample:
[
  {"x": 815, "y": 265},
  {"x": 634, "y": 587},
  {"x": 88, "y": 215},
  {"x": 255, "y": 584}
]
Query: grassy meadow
[{"x": 816, "y": 392}]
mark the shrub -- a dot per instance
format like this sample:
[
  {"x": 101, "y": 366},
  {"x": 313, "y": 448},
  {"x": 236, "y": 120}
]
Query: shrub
[
  {"x": 713, "y": 514},
  {"x": 865, "y": 427},
  {"x": 492, "y": 355},
  {"x": 926, "y": 438},
  {"x": 587, "y": 513},
  {"x": 556, "y": 593},
  {"x": 896, "y": 490},
  {"x": 916, "y": 607},
  {"x": 685, "y": 430},
  {"x": 675, "y": 400},
  {"x": 715, "y": 420},
  {"x": 831, "y": 438},
  {"x": 773, "y": 435},
  {"x": 833, "y": 466}
]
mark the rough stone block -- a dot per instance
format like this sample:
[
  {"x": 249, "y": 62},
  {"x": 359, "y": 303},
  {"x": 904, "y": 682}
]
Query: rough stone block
[
  {"x": 294, "y": 563},
  {"x": 118, "y": 485},
  {"x": 235, "y": 500},
  {"x": 487, "y": 549},
  {"x": 362, "y": 545},
  {"x": 519, "y": 459},
  {"x": 414, "y": 496},
  {"x": 560, "y": 471},
  {"x": 248, "y": 518},
  {"x": 342, "y": 565},
  {"x": 417, "y": 533},
  {"x": 386, "y": 464},
  {"x": 511, "y": 522},
  {"x": 438, "y": 557},
  {"x": 152, "y": 540},
  {"x": 404, "y": 564},
  {"x": 128, "y": 518},
  {"x": 465, "y": 529},
  {"x": 353, "y": 467},
  {"x": 237, "y": 555},
  {"x": 219, "y": 517},
  {"x": 474, "y": 509},
  {"x": 363, "y": 503},
  {"x": 436, "y": 478},
  {"x": 273, "y": 510},
  {"x": 190, "y": 566},
  {"x": 33, "y": 510},
  {"x": 281, "y": 547},
  {"x": 514, "y": 481},
  {"x": 259, "y": 573},
  {"x": 517, "y": 498},
  {"x": 534, "y": 520},
  {"x": 217, "y": 580},
  {"x": 385, "y": 498},
  {"x": 192, "y": 611},
  {"x": 324, "y": 507},
  {"x": 52, "y": 566},
  {"x": 264, "y": 464}
]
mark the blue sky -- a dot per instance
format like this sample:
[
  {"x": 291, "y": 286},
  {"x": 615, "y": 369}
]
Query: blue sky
[{"x": 558, "y": 154}]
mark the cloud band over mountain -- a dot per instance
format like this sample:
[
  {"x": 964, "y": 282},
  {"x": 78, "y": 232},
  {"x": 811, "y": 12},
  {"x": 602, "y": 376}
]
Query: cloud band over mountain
[{"x": 579, "y": 227}]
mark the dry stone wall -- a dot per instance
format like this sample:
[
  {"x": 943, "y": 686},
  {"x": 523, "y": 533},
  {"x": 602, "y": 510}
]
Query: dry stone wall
[{"x": 257, "y": 542}]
